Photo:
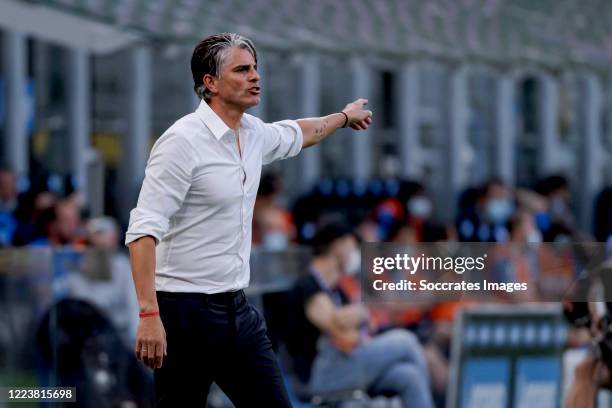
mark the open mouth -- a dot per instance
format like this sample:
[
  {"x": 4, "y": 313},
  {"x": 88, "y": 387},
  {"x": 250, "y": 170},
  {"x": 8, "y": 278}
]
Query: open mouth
[{"x": 254, "y": 90}]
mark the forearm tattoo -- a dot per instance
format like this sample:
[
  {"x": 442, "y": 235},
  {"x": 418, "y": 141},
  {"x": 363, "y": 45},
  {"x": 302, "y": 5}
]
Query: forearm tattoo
[{"x": 320, "y": 130}]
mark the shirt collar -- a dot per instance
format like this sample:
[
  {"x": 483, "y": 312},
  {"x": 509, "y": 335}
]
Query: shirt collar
[{"x": 214, "y": 123}]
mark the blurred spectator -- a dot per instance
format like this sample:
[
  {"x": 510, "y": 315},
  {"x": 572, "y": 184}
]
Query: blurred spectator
[
  {"x": 367, "y": 229},
  {"x": 79, "y": 347},
  {"x": 556, "y": 190},
  {"x": 103, "y": 233},
  {"x": 405, "y": 236},
  {"x": 346, "y": 356},
  {"x": 390, "y": 217},
  {"x": 106, "y": 280},
  {"x": 523, "y": 229},
  {"x": 603, "y": 216},
  {"x": 8, "y": 205},
  {"x": 438, "y": 339},
  {"x": 515, "y": 261},
  {"x": 273, "y": 226},
  {"x": 33, "y": 216},
  {"x": 419, "y": 209},
  {"x": 59, "y": 225},
  {"x": 482, "y": 218},
  {"x": 8, "y": 190},
  {"x": 402, "y": 233}
]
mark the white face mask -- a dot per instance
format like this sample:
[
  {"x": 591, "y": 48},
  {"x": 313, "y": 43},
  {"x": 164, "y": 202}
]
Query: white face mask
[
  {"x": 354, "y": 263},
  {"x": 534, "y": 237},
  {"x": 498, "y": 210},
  {"x": 419, "y": 207},
  {"x": 275, "y": 241}
]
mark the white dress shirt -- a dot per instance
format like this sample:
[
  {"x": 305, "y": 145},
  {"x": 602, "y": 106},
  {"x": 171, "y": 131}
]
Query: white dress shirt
[{"x": 198, "y": 194}]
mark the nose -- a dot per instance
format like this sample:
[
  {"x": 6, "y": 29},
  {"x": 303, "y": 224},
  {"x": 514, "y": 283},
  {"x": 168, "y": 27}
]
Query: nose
[{"x": 254, "y": 75}]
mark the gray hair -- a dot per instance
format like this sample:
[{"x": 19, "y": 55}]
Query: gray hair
[{"x": 210, "y": 55}]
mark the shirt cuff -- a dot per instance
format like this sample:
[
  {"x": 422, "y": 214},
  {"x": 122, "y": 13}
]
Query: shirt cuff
[
  {"x": 144, "y": 223},
  {"x": 129, "y": 238},
  {"x": 299, "y": 138}
]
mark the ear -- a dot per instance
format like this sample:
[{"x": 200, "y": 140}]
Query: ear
[{"x": 210, "y": 82}]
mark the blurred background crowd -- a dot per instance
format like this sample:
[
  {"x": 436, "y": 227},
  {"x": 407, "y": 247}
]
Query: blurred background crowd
[{"x": 492, "y": 124}]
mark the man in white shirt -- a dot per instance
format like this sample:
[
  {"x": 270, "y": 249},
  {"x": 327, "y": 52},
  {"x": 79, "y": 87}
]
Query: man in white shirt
[{"x": 190, "y": 235}]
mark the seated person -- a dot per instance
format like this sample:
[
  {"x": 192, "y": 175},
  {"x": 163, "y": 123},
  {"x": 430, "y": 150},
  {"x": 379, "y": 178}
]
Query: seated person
[{"x": 329, "y": 340}]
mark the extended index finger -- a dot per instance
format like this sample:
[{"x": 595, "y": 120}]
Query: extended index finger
[{"x": 362, "y": 102}]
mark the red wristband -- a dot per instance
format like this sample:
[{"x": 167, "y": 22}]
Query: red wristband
[{"x": 148, "y": 314}]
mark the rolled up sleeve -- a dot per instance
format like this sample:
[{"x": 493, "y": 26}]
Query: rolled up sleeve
[
  {"x": 167, "y": 180},
  {"x": 281, "y": 140}
]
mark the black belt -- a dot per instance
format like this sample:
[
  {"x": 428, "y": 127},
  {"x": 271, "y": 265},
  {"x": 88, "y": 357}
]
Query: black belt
[{"x": 234, "y": 298}]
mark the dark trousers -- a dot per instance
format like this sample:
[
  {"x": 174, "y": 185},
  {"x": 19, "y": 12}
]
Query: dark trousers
[{"x": 220, "y": 338}]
